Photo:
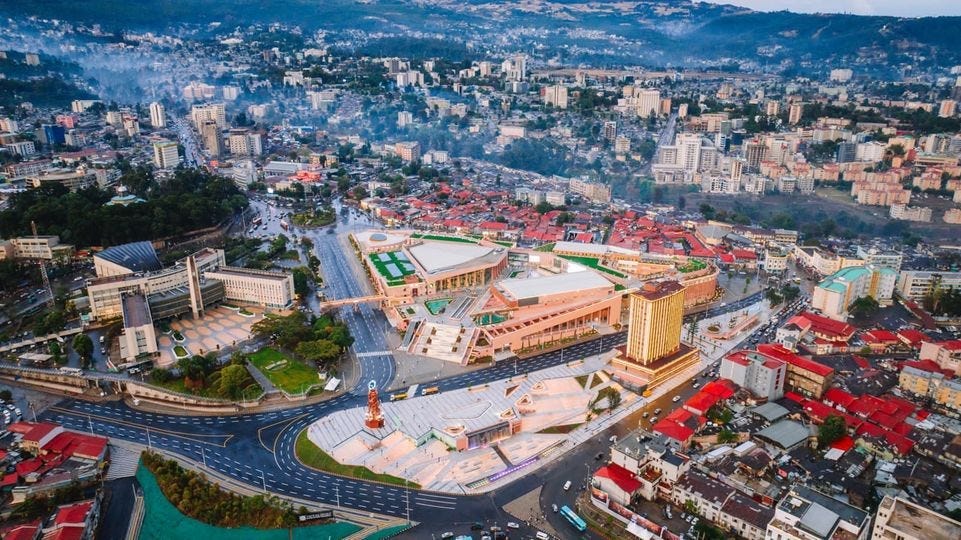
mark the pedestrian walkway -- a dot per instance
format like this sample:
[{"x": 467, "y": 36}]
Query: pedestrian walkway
[
  {"x": 123, "y": 462},
  {"x": 262, "y": 380}
]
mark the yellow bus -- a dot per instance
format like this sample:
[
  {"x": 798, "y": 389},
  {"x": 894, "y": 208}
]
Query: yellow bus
[
  {"x": 429, "y": 391},
  {"x": 398, "y": 397}
]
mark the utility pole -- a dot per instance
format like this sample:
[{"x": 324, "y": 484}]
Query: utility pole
[{"x": 43, "y": 270}]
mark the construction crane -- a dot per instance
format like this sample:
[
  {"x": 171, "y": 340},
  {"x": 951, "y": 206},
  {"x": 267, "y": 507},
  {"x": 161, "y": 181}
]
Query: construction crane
[{"x": 43, "y": 271}]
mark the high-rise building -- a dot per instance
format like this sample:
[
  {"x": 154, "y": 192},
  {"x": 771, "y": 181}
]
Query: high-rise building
[
  {"x": 165, "y": 154},
  {"x": 648, "y": 102},
  {"x": 231, "y": 93},
  {"x": 948, "y": 108},
  {"x": 773, "y": 108},
  {"x": 654, "y": 351},
  {"x": 404, "y": 118},
  {"x": 689, "y": 151},
  {"x": 795, "y": 112},
  {"x": 242, "y": 142},
  {"x": 212, "y": 138},
  {"x": 754, "y": 151},
  {"x": 32, "y": 59},
  {"x": 610, "y": 130},
  {"x": 847, "y": 152},
  {"x": 158, "y": 118},
  {"x": 555, "y": 95},
  {"x": 213, "y": 111},
  {"x": 622, "y": 145}
]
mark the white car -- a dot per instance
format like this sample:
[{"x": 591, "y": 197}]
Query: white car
[
  {"x": 676, "y": 399},
  {"x": 512, "y": 525}
]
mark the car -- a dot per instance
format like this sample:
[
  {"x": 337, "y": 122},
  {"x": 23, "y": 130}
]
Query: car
[
  {"x": 645, "y": 415},
  {"x": 477, "y": 526},
  {"x": 447, "y": 535},
  {"x": 696, "y": 386},
  {"x": 541, "y": 535},
  {"x": 683, "y": 516},
  {"x": 657, "y": 411},
  {"x": 599, "y": 456},
  {"x": 554, "y": 508},
  {"x": 675, "y": 399},
  {"x": 694, "y": 521},
  {"x": 512, "y": 525},
  {"x": 567, "y": 485}
]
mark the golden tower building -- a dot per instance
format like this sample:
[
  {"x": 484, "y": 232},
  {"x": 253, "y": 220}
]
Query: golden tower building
[{"x": 654, "y": 351}]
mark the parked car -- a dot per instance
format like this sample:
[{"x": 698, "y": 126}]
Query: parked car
[{"x": 567, "y": 485}]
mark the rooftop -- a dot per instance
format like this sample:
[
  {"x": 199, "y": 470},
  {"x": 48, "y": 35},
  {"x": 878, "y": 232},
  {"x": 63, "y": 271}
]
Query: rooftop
[
  {"x": 786, "y": 433},
  {"x": 135, "y": 256},
  {"x": 918, "y": 522},
  {"x": 435, "y": 257},
  {"x": 135, "y": 311},
  {"x": 522, "y": 288}
]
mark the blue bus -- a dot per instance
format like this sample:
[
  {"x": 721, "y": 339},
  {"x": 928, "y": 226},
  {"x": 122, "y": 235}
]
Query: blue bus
[{"x": 573, "y": 518}]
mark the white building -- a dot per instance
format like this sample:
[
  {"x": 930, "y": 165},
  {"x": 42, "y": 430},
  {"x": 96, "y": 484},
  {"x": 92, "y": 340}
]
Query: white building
[
  {"x": 806, "y": 514},
  {"x": 762, "y": 375},
  {"x": 158, "y": 116},
  {"x": 213, "y": 111},
  {"x": 556, "y": 95},
  {"x": 916, "y": 284},
  {"x": 837, "y": 292},
  {"x": 166, "y": 154}
]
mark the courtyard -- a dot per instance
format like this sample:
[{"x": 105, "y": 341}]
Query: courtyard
[{"x": 220, "y": 327}]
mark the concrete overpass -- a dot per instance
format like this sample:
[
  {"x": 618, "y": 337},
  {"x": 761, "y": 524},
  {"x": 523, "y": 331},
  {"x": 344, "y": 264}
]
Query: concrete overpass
[{"x": 330, "y": 304}]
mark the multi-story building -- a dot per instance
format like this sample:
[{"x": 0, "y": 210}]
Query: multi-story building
[
  {"x": 257, "y": 287},
  {"x": 652, "y": 461},
  {"x": 706, "y": 494},
  {"x": 47, "y": 248},
  {"x": 916, "y": 284},
  {"x": 880, "y": 257},
  {"x": 775, "y": 260},
  {"x": 72, "y": 179},
  {"x": 654, "y": 351},
  {"x": 555, "y": 95},
  {"x": 911, "y": 213},
  {"x": 158, "y": 116},
  {"x": 166, "y": 154},
  {"x": 807, "y": 514},
  {"x": 213, "y": 111},
  {"x": 242, "y": 142},
  {"x": 408, "y": 151},
  {"x": 947, "y": 354},
  {"x": 794, "y": 113},
  {"x": 139, "y": 337},
  {"x": 837, "y": 292},
  {"x": 919, "y": 382},
  {"x": 948, "y": 395},
  {"x": 21, "y": 148},
  {"x": 594, "y": 191},
  {"x": 841, "y": 75},
  {"x": 759, "y": 373},
  {"x": 622, "y": 145},
  {"x": 212, "y": 138},
  {"x": 947, "y": 108},
  {"x": 804, "y": 376},
  {"x": 746, "y": 517},
  {"x": 647, "y": 102},
  {"x": 901, "y": 519}
]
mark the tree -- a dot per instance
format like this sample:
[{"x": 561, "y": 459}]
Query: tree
[
  {"x": 864, "y": 306},
  {"x": 83, "y": 346},
  {"x": 6, "y": 395},
  {"x": 726, "y": 436},
  {"x": 833, "y": 428},
  {"x": 322, "y": 352},
  {"x": 233, "y": 380}
]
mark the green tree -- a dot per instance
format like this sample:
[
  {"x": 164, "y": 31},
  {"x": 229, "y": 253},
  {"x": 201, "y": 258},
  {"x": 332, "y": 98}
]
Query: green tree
[
  {"x": 833, "y": 428},
  {"x": 864, "y": 306},
  {"x": 233, "y": 380},
  {"x": 6, "y": 395},
  {"x": 322, "y": 352},
  {"x": 83, "y": 346},
  {"x": 726, "y": 436}
]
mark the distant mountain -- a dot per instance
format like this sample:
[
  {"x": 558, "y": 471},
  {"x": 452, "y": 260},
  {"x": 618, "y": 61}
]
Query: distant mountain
[{"x": 570, "y": 32}]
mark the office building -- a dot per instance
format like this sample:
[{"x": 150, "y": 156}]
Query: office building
[
  {"x": 242, "y": 142},
  {"x": 846, "y": 152},
  {"x": 257, "y": 287},
  {"x": 555, "y": 95},
  {"x": 139, "y": 337},
  {"x": 648, "y": 102},
  {"x": 212, "y": 139},
  {"x": 901, "y": 519},
  {"x": 610, "y": 130},
  {"x": 654, "y": 351},
  {"x": 158, "y": 116},
  {"x": 213, "y": 111},
  {"x": 47, "y": 248},
  {"x": 52, "y": 134},
  {"x": 166, "y": 154},
  {"x": 594, "y": 191}
]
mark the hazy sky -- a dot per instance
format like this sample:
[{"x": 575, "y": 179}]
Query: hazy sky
[{"x": 899, "y": 8}]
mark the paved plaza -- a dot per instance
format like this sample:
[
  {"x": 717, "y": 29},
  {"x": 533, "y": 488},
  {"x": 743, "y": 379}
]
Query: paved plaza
[
  {"x": 220, "y": 327},
  {"x": 415, "y": 441}
]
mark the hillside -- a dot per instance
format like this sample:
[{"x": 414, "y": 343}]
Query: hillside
[{"x": 569, "y": 32}]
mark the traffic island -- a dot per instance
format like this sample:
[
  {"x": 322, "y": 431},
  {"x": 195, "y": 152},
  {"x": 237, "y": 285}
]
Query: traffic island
[{"x": 310, "y": 455}]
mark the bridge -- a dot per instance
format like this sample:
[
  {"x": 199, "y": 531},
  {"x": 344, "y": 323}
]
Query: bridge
[
  {"x": 329, "y": 304},
  {"x": 41, "y": 339}
]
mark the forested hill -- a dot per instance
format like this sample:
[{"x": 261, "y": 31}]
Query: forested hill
[{"x": 568, "y": 32}]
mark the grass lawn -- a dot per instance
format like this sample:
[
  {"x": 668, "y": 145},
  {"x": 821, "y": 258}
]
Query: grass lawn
[
  {"x": 560, "y": 430},
  {"x": 396, "y": 258},
  {"x": 292, "y": 378},
  {"x": 181, "y": 352},
  {"x": 177, "y": 385},
  {"x": 547, "y": 248},
  {"x": 443, "y": 238},
  {"x": 581, "y": 380},
  {"x": 178, "y": 336},
  {"x": 312, "y": 456}
]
